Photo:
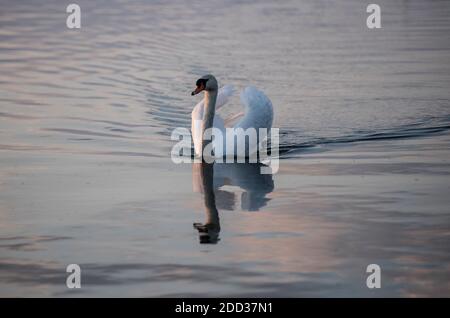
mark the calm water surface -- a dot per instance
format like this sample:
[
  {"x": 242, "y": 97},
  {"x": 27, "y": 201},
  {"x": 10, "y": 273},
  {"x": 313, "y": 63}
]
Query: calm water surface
[{"x": 86, "y": 177}]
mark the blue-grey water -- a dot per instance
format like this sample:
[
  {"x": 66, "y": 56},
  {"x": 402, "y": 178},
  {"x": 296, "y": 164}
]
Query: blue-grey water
[{"x": 85, "y": 170}]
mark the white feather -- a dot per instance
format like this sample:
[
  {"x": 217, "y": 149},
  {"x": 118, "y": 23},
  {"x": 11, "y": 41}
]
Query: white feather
[
  {"x": 197, "y": 116},
  {"x": 258, "y": 113}
]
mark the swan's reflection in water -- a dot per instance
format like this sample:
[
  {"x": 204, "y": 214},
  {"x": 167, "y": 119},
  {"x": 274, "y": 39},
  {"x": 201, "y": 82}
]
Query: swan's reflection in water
[{"x": 210, "y": 179}]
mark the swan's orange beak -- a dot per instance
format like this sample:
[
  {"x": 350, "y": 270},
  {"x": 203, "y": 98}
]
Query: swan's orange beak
[{"x": 199, "y": 88}]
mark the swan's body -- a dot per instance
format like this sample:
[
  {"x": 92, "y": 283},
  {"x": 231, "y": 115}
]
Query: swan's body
[{"x": 258, "y": 113}]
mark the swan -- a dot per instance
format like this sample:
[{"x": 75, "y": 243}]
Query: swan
[{"x": 257, "y": 113}]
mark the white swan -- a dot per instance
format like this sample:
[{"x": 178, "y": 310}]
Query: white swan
[{"x": 258, "y": 113}]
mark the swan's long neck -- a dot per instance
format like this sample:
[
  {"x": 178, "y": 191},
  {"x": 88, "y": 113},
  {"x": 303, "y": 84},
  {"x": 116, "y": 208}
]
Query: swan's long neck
[{"x": 208, "y": 114}]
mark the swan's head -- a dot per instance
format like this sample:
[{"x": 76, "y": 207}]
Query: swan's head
[{"x": 205, "y": 83}]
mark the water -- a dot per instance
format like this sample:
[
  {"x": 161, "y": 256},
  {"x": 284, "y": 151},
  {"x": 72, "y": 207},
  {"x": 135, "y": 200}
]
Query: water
[{"x": 86, "y": 177}]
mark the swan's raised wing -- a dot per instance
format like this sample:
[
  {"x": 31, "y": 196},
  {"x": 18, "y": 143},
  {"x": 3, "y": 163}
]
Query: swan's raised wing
[
  {"x": 233, "y": 118},
  {"x": 224, "y": 95},
  {"x": 258, "y": 109}
]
